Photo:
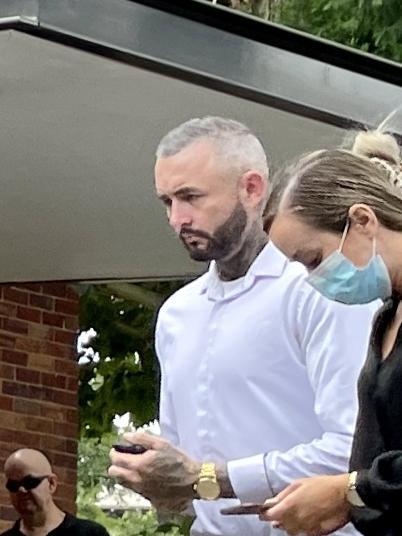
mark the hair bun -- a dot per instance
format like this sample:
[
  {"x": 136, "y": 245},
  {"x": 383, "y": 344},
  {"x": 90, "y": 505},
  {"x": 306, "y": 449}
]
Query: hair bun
[{"x": 375, "y": 144}]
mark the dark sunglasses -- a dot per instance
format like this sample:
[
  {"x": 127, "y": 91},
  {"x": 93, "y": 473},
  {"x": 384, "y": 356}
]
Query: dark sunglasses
[{"x": 28, "y": 482}]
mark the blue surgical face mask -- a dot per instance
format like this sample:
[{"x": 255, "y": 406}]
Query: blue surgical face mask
[{"x": 338, "y": 279}]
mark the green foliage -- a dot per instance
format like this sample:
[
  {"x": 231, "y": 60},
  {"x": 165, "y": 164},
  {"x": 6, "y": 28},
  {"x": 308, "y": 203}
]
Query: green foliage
[
  {"x": 373, "y": 26},
  {"x": 125, "y": 379},
  {"x": 130, "y": 524},
  {"x": 93, "y": 461}
]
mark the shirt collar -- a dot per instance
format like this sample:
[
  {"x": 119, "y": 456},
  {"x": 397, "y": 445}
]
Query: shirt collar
[{"x": 270, "y": 262}]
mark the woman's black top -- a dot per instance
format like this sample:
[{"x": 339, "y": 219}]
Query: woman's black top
[{"x": 377, "y": 447}]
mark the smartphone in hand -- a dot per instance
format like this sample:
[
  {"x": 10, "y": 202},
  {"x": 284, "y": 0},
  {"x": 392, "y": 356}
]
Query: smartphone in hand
[
  {"x": 134, "y": 448},
  {"x": 245, "y": 509}
]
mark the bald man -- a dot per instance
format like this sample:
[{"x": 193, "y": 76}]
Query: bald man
[{"x": 31, "y": 484}]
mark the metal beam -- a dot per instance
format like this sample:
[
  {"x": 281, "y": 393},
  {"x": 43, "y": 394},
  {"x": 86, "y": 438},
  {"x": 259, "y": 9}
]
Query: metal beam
[
  {"x": 205, "y": 54},
  {"x": 220, "y": 49},
  {"x": 25, "y": 10}
]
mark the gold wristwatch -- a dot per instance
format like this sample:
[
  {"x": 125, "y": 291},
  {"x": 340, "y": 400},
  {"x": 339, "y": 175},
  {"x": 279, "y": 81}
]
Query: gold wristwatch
[
  {"x": 207, "y": 486},
  {"x": 352, "y": 496}
]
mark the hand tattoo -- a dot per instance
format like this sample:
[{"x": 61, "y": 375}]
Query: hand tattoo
[
  {"x": 169, "y": 478},
  {"x": 163, "y": 474}
]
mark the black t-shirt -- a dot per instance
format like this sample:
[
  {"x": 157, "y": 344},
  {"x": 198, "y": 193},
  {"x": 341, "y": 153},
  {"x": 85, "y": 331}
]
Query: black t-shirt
[
  {"x": 70, "y": 526},
  {"x": 377, "y": 445}
]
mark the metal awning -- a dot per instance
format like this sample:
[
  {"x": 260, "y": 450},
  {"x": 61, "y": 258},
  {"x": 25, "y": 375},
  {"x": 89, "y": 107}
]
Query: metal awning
[{"x": 87, "y": 88}]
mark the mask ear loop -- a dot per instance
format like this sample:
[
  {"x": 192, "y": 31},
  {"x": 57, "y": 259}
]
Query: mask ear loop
[{"x": 344, "y": 234}]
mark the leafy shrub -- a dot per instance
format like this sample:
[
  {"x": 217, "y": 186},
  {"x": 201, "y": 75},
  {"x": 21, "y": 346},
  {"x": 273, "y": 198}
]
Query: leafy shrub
[{"x": 93, "y": 460}]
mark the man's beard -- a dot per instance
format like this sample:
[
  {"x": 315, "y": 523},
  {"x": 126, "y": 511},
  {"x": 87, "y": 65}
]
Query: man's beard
[{"x": 222, "y": 242}]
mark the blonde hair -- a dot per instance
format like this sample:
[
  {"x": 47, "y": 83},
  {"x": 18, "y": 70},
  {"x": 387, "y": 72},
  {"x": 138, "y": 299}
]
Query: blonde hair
[{"x": 323, "y": 185}]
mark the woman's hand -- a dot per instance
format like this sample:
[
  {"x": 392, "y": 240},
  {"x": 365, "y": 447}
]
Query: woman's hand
[{"x": 315, "y": 506}]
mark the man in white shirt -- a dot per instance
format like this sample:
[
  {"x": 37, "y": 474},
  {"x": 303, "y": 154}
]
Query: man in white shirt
[{"x": 258, "y": 370}]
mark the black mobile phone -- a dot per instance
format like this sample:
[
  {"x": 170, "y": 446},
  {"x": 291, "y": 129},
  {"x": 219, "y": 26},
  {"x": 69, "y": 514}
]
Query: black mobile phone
[
  {"x": 245, "y": 509},
  {"x": 134, "y": 448}
]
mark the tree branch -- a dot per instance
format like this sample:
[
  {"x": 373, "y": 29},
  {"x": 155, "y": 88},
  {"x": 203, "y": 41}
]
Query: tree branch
[{"x": 135, "y": 293}]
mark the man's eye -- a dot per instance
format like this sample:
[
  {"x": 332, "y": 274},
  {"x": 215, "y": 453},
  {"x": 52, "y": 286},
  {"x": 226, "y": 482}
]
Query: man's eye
[{"x": 190, "y": 197}]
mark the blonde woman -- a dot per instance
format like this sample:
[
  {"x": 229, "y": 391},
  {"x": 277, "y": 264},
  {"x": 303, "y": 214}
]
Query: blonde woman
[{"x": 340, "y": 214}]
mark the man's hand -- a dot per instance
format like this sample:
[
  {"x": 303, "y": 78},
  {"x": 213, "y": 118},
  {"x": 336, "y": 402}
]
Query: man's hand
[
  {"x": 163, "y": 474},
  {"x": 314, "y": 506}
]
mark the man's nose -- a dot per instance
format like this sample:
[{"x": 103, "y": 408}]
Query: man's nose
[{"x": 179, "y": 216}]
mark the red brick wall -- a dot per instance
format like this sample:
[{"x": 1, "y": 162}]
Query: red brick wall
[{"x": 38, "y": 381}]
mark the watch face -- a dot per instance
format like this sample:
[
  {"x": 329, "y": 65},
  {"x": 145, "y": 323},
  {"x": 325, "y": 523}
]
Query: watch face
[{"x": 208, "y": 489}]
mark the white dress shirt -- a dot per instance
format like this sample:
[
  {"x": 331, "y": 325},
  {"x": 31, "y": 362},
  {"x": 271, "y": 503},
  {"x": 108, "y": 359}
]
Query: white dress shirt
[{"x": 260, "y": 374}]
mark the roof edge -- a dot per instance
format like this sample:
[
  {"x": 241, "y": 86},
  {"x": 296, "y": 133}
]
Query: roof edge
[{"x": 282, "y": 37}]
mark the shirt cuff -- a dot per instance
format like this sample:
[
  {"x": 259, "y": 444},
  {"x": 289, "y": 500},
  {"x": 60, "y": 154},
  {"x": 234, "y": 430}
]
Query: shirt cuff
[{"x": 249, "y": 479}]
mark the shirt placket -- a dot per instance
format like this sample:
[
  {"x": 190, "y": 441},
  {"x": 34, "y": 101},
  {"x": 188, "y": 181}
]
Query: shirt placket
[{"x": 205, "y": 398}]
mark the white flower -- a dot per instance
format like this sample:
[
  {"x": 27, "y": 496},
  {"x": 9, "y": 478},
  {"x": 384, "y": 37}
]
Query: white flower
[
  {"x": 84, "y": 360},
  {"x": 96, "y": 382},
  {"x": 87, "y": 353},
  {"x": 123, "y": 423},
  {"x": 150, "y": 428}
]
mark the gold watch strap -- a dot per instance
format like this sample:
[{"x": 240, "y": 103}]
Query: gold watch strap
[
  {"x": 208, "y": 470},
  {"x": 207, "y": 486}
]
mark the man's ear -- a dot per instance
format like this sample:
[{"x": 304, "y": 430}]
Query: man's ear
[
  {"x": 53, "y": 483},
  {"x": 363, "y": 219},
  {"x": 253, "y": 188}
]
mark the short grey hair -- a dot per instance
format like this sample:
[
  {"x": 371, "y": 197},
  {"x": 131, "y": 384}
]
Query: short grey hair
[{"x": 232, "y": 140}]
